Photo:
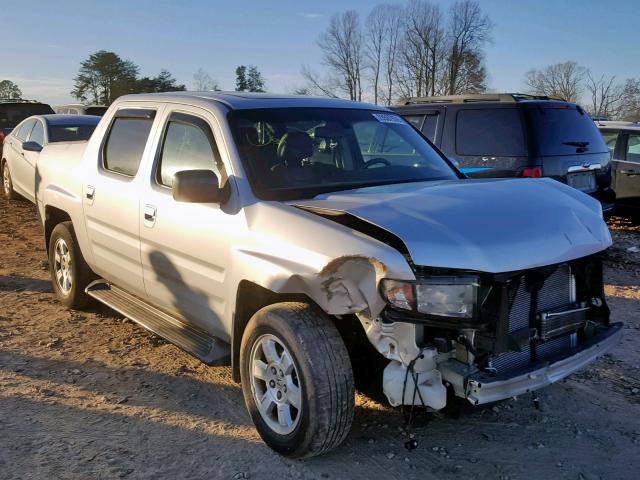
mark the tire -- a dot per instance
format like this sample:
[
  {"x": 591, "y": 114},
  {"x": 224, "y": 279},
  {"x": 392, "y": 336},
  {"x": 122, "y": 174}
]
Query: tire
[
  {"x": 321, "y": 370},
  {"x": 70, "y": 274},
  {"x": 7, "y": 183}
]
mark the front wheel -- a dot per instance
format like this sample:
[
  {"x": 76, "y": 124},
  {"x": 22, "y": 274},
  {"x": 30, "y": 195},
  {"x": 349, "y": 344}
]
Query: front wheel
[{"x": 297, "y": 380}]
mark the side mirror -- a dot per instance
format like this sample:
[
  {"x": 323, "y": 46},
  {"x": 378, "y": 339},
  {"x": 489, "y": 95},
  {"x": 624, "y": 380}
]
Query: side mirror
[
  {"x": 32, "y": 147},
  {"x": 455, "y": 162},
  {"x": 198, "y": 186}
]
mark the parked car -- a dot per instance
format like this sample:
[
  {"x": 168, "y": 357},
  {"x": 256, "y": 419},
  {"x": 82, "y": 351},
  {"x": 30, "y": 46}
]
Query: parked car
[
  {"x": 516, "y": 135},
  {"x": 286, "y": 234},
  {"x": 34, "y": 139},
  {"x": 12, "y": 112},
  {"x": 623, "y": 141},
  {"x": 80, "y": 109}
]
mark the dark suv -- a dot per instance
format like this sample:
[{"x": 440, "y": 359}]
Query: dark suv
[
  {"x": 517, "y": 135},
  {"x": 14, "y": 111}
]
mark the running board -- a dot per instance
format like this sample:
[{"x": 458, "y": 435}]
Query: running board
[{"x": 198, "y": 343}]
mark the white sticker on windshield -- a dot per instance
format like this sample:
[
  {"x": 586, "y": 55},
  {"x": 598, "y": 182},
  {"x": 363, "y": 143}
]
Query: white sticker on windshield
[{"x": 389, "y": 118}]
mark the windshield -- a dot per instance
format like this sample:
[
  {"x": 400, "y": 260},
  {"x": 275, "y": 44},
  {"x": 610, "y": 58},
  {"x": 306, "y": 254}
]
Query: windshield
[
  {"x": 11, "y": 114},
  {"x": 70, "y": 133},
  {"x": 294, "y": 153},
  {"x": 563, "y": 130}
]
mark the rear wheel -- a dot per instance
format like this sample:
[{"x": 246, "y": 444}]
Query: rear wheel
[
  {"x": 7, "y": 184},
  {"x": 70, "y": 274},
  {"x": 297, "y": 380}
]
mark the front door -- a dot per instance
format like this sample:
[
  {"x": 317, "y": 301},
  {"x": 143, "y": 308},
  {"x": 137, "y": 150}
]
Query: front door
[{"x": 186, "y": 246}]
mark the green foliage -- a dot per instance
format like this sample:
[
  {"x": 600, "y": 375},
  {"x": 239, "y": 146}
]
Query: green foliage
[
  {"x": 164, "y": 82},
  {"x": 249, "y": 79},
  {"x": 104, "y": 76},
  {"x": 9, "y": 90}
]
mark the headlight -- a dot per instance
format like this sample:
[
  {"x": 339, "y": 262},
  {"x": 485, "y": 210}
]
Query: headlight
[{"x": 453, "y": 297}]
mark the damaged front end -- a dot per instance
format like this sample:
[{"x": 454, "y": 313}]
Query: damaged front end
[{"x": 486, "y": 337}]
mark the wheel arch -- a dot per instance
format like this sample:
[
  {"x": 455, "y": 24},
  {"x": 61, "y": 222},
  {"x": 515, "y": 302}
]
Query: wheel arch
[
  {"x": 52, "y": 217},
  {"x": 250, "y": 298}
]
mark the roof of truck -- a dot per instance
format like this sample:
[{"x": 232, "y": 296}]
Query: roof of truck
[
  {"x": 250, "y": 100},
  {"x": 617, "y": 125}
]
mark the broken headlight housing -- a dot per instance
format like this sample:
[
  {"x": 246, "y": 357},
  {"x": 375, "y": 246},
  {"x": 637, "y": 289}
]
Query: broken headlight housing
[{"x": 451, "y": 297}]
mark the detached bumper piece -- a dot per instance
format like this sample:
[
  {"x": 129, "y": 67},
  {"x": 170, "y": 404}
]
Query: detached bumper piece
[{"x": 480, "y": 388}]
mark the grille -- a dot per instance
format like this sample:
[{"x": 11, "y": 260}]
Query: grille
[{"x": 557, "y": 291}]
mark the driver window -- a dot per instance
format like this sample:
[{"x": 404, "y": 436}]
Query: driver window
[{"x": 188, "y": 145}]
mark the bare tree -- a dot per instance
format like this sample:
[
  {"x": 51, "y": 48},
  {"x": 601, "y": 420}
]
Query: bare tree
[
  {"x": 341, "y": 45},
  {"x": 318, "y": 85},
  {"x": 421, "y": 50},
  {"x": 630, "y": 108},
  {"x": 382, "y": 35},
  {"x": 469, "y": 30},
  {"x": 606, "y": 96},
  {"x": 202, "y": 82},
  {"x": 562, "y": 80}
]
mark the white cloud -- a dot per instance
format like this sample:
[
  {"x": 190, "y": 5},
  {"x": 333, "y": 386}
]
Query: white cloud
[{"x": 311, "y": 15}]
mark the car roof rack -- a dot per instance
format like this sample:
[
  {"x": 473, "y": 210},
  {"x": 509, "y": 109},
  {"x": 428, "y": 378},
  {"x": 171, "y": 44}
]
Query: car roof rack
[
  {"x": 17, "y": 100},
  {"x": 480, "y": 97}
]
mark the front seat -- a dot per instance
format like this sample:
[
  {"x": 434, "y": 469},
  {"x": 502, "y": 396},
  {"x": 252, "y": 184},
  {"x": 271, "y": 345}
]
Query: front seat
[{"x": 293, "y": 148}]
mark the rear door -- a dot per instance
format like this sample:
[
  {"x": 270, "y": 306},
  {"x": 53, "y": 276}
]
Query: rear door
[
  {"x": 627, "y": 171},
  {"x": 112, "y": 198},
  {"x": 490, "y": 141}
]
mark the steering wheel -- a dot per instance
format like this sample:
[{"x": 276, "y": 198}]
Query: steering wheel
[{"x": 375, "y": 161}]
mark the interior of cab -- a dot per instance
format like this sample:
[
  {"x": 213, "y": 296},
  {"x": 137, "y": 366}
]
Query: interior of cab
[{"x": 289, "y": 149}]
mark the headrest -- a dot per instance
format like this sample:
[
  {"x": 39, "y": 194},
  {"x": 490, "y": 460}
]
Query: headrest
[
  {"x": 330, "y": 130},
  {"x": 294, "y": 147}
]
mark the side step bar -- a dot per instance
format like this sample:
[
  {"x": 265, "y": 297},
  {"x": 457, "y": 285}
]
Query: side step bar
[{"x": 198, "y": 343}]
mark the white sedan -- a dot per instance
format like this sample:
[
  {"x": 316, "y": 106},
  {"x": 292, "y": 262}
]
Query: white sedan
[{"x": 24, "y": 146}]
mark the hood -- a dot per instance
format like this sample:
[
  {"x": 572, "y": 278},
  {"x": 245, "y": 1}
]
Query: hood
[{"x": 494, "y": 225}]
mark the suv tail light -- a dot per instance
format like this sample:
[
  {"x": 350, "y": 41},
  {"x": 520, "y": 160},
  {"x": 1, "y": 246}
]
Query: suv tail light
[
  {"x": 2, "y": 135},
  {"x": 531, "y": 172}
]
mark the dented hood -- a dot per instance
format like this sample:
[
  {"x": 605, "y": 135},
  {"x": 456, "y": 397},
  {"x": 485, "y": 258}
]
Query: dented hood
[{"x": 493, "y": 225}]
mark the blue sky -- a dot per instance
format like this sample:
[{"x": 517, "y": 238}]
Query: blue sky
[{"x": 43, "y": 42}]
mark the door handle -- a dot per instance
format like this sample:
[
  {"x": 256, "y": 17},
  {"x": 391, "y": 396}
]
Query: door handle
[
  {"x": 631, "y": 173},
  {"x": 90, "y": 192},
  {"x": 149, "y": 215}
]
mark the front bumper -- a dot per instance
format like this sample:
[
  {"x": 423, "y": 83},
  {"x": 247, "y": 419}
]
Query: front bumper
[{"x": 480, "y": 388}]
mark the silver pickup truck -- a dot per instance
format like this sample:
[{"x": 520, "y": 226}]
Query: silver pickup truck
[{"x": 289, "y": 236}]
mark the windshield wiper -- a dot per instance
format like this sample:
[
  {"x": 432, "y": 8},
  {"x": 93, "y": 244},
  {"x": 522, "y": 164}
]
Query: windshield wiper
[{"x": 577, "y": 144}]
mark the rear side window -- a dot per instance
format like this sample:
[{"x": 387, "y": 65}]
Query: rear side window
[
  {"x": 563, "y": 130},
  {"x": 430, "y": 125},
  {"x": 633, "y": 149},
  {"x": 188, "y": 145},
  {"x": 415, "y": 120},
  {"x": 493, "y": 132},
  {"x": 37, "y": 134},
  {"x": 610, "y": 139},
  {"x": 125, "y": 144},
  {"x": 24, "y": 130}
]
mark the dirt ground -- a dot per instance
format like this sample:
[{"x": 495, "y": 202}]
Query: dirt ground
[{"x": 91, "y": 395}]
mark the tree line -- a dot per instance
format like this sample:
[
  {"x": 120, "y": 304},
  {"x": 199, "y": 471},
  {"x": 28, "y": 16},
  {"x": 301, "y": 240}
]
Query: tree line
[
  {"x": 602, "y": 96},
  {"x": 400, "y": 51}
]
